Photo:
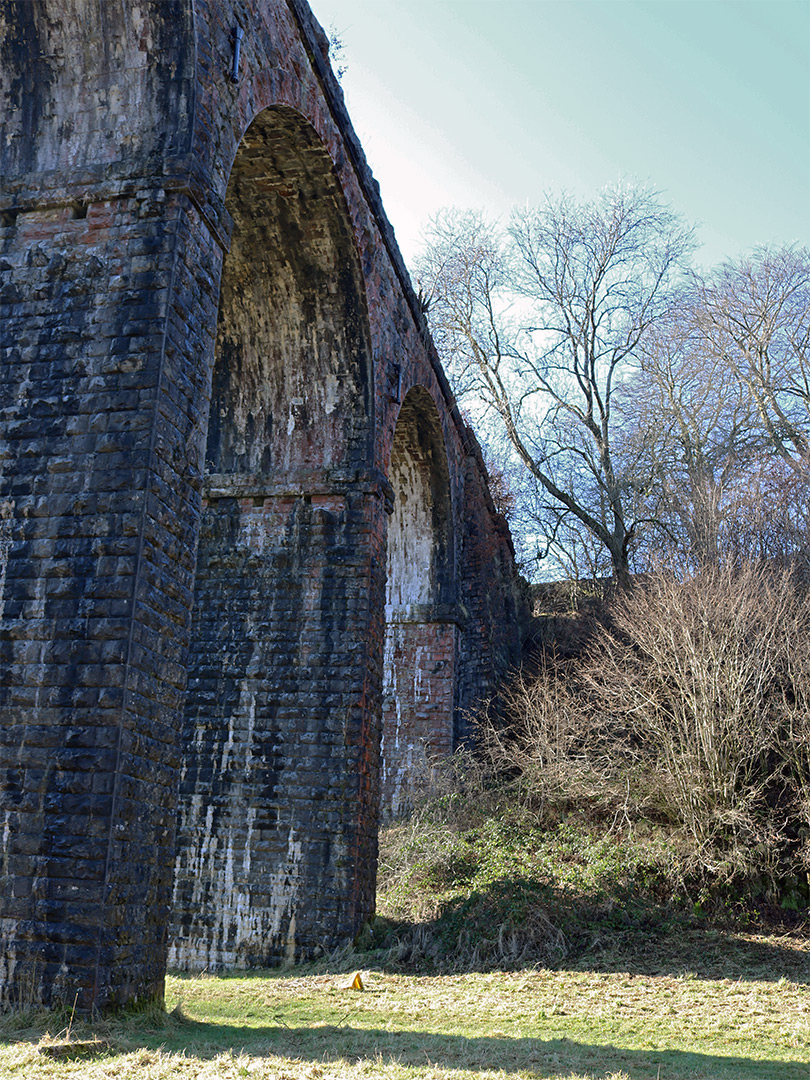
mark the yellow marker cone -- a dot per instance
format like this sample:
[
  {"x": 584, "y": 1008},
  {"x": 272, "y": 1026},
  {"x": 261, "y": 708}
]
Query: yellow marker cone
[{"x": 358, "y": 983}]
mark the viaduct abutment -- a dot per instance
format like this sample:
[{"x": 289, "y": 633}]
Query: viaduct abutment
[{"x": 250, "y": 571}]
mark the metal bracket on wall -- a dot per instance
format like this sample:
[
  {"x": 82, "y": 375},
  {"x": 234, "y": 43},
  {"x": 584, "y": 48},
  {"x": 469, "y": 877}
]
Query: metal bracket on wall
[
  {"x": 396, "y": 393},
  {"x": 238, "y": 34}
]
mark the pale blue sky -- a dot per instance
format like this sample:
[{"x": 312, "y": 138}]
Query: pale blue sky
[{"x": 487, "y": 103}]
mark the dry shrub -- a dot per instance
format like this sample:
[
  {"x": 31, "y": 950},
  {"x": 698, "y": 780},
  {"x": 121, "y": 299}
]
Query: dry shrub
[
  {"x": 545, "y": 747},
  {"x": 691, "y": 705},
  {"x": 711, "y": 678},
  {"x": 554, "y": 753}
]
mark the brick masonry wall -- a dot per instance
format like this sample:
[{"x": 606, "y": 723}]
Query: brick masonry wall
[
  {"x": 418, "y": 688},
  {"x": 98, "y": 509},
  {"x": 115, "y": 226},
  {"x": 421, "y": 587}
]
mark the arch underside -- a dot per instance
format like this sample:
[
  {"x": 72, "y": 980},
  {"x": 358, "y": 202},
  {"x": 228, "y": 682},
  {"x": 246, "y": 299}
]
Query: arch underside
[
  {"x": 421, "y": 618},
  {"x": 273, "y": 791}
]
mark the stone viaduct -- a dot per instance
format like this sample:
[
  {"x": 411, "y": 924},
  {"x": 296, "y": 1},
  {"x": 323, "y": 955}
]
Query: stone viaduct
[{"x": 245, "y": 535}]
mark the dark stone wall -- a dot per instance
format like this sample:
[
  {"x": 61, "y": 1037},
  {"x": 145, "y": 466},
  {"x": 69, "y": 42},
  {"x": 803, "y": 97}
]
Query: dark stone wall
[
  {"x": 206, "y": 336},
  {"x": 100, "y": 517},
  {"x": 93, "y": 91}
]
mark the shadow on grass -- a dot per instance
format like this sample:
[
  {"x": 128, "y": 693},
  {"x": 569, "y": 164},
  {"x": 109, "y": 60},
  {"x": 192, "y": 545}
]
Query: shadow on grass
[
  {"x": 537, "y": 1057},
  {"x": 706, "y": 954},
  {"x": 518, "y": 923}
]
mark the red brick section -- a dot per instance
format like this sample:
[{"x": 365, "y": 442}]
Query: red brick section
[
  {"x": 140, "y": 421},
  {"x": 418, "y": 710}
]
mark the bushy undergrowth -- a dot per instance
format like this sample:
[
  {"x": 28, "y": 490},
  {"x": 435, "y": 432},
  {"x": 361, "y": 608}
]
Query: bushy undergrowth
[
  {"x": 657, "y": 773},
  {"x": 474, "y": 880},
  {"x": 689, "y": 708}
]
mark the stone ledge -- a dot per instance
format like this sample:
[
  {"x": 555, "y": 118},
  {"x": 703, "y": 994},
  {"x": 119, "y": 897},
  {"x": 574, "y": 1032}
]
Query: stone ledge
[
  {"x": 456, "y": 614},
  {"x": 297, "y": 485}
]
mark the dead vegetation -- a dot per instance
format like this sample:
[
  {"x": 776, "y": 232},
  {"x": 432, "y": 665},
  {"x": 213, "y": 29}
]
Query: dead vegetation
[{"x": 686, "y": 705}]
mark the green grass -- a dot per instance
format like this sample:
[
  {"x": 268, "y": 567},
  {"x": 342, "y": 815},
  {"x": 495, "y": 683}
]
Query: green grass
[
  {"x": 503, "y": 892},
  {"x": 730, "y": 1014},
  {"x": 504, "y": 950}
]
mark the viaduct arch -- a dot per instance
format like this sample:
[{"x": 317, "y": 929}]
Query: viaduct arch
[{"x": 249, "y": 566}]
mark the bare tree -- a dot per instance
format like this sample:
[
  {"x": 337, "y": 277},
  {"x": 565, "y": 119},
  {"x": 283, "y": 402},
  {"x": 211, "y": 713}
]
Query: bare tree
[
  {"x": 755, "y": 319},
  {"x": 721, "y": 407},
  {"x": 695, "y": 423},
  {"x": 542, "y": 325}
]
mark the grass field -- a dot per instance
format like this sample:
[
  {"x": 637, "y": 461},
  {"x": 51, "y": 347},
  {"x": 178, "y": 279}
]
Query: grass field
[
  {"x": 503, "y": 950},
  {"x": 699, "y": 1005}
]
